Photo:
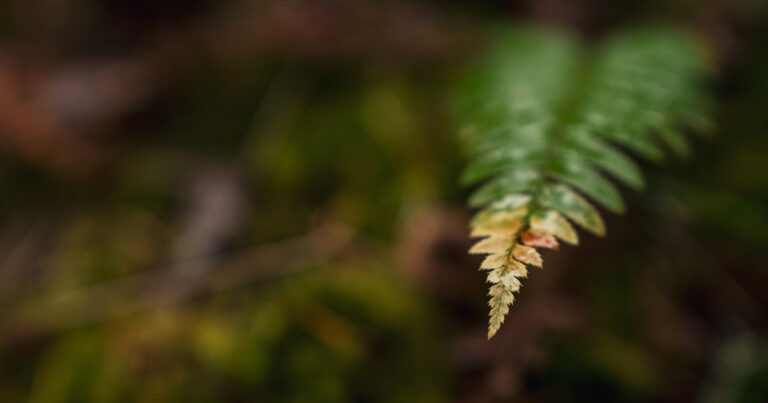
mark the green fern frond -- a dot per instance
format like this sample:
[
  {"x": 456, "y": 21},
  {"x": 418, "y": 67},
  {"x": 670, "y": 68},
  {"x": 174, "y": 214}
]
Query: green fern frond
[{"x": 545, "y": 122}]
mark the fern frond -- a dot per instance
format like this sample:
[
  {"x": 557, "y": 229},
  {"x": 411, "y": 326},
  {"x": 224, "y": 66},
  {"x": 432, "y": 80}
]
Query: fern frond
[{"x": 545, "y": 121}]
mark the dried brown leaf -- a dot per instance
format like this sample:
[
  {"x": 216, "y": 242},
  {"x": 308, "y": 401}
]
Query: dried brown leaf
[
  {"x": 492, "y": 245},
  {"x": 527, "y": 255},
  {"x": 494, "y": 261},
  {"x": 490, "y": 222},
  {"x": 551, "y": 222},
  {"x": 539, "y": 240}
]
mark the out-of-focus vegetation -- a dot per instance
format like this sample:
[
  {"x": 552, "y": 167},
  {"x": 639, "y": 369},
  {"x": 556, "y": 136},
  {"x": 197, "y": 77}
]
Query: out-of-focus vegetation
[{"x": 257, "y": 201}]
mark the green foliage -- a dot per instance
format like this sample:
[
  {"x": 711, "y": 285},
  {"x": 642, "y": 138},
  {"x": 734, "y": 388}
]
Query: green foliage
[
  {"x": 545, "y": 120},
  {"x": 315, "y": 338}
]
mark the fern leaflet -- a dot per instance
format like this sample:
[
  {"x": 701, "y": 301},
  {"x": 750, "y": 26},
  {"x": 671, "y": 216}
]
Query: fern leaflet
[{"x": 545, "y": 120}]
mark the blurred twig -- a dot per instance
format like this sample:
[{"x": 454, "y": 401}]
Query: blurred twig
[{"x": 152, "y": 290}]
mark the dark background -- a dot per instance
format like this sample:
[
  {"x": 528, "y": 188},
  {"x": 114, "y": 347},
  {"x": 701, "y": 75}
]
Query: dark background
[{"x": 229, "y": 201}]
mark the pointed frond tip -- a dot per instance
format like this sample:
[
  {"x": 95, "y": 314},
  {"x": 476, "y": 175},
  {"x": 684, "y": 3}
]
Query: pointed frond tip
[{"x": 548, "y": 127}]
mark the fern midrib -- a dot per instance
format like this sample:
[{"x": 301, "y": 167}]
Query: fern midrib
[{"x": 580, "y": 79}]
